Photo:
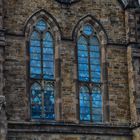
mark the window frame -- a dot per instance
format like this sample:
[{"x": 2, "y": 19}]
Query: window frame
[
  {"x": 40, "y": 81},
  {"x": 89, "y": 84}
]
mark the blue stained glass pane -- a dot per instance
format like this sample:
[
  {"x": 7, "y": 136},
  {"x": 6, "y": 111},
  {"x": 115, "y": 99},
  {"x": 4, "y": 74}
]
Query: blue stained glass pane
[
  {"x": 48, "y": 50},
  {"x": 97, "y": 118},
  {"x": 34, "y": 36},
  {"x": 82, "y": 41},
  {"x": 94, "y": 48},
  {"x": 35, "y": 43},
  {"x": 35, "y": 70},
  {"x": 82, "y": 53},
  {"x": 49, "y": 102},
  {"x": 94, "y": 41},
  {"x": 35, "y": 63},
  {"x": 96, "y": 98},
  {"x": 84, "y": 89},
  {"x": 95, "y": 73},
  {"x": 82, "y": 47},
  {"x": 83, "y": 67},
  {"x": 82, "y": 60},
  {"x": 84, "y": 104},
  {"x": 41, "y": 25},
  {"x": 97, "y": 111},
  {"x": 95, "y": 54},
  {"x": 97, "y": 104},
  {"x": 35, "y": 56},
  {"x": 48, "y": 38},
  {"x": 36, "y": 101},
  {"x": 95, "y": 68},
  {"x": 83, "y": 78},
  {"x": 95, "y": 61},
  {"x": 48, "y": 64},
  {"x": 48, "y": 57},
  {"x": 48, "y": 73},
  {"x": 47, "y": 44},
  {"x": 87, "y": 29},
  {"x": 35, "y": 50}
]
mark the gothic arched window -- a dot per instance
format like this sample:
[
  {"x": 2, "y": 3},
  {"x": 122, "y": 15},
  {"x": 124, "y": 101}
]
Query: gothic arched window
[
  {"x": 89, "y": 75},
  {"x": 41, "y": 53}
]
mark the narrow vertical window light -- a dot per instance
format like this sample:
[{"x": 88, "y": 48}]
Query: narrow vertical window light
[
  {"x": 36, "y": 101},
  {"x": 42, "y": 72},
  {"x": 84, "y": 104},
  {"x": 89, "y": 74},
  {"x": 49, "y": 101}
]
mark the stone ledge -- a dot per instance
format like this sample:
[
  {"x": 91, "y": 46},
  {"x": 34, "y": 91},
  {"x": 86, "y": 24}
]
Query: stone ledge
[{"x": 30, "y": 127}]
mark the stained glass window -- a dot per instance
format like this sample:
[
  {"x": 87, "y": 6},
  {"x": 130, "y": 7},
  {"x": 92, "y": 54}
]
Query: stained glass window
[
  {"x": 84, "y": 104},
  {"x": 41, "y": 52},
  {"x": 89, "y": 73}
]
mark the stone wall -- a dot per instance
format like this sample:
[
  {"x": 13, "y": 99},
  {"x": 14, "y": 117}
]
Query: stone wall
[
  {"x": 136, "y": 133},
  {"x": 115, "y": 28}
]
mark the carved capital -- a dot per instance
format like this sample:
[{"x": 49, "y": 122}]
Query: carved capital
[{"x": 2, "y": 102}]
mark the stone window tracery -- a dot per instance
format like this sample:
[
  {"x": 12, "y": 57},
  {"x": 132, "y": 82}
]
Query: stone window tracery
[
  {"x": 89, "y": 75},
  {"x": 41, "y": 54}
]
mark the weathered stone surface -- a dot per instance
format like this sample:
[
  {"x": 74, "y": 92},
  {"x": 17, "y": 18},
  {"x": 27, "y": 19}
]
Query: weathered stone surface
[{"x": 118, "y": 31}]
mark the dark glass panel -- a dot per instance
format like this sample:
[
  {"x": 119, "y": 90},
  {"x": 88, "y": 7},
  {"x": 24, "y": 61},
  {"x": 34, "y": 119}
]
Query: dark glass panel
[
  {"x": 35, "y": 56},
  {"x": 94, "y": 48},
  {"x": 35, "y": 50},
  {"x": 82, "y": 47},
  {"x": 82, "y": 54},
  {"x": 94, "y": 41},
  {"x": 82, "y": 41},
  {"x": 48, "y": 57},
  {"x": 83, "y": 69},
  {"x": 48, "y": 73},
  {"x": 36, "y": 101},
  {"x": 41, "y": 25},
  {"x": 97, "y": 118},
  {"x": 95, "y": 55},
  {"x": 48, "y": 51},
  {"x": 84, "y": 104},
  {"x": 35, "y": 63},
  {"x": 96, "y": 105},
  {"x": 83, "y": 60},
  {"x": 48, "y": 39},
  {"x": 49, "y": 102},
  {"x": 88, "y": 30},
  {"x": 35, "y": 70}
]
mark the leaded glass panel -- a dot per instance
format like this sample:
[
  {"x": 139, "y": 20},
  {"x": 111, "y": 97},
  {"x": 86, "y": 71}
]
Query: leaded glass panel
[
  {"x": 89, "y": 73},
  {"x": 83, "y": 67},
  {"x": 84, "y": 104},
  {"x": 42, "y": 71},
  {"x": 35, "y": 56},
  {"x": 41, "y": 25},
  {"x": 96, "y": 105},
  {"x": 48, "y": 54},
  {"x": 88, "y": 30},
  {"x": 49, "y": 102},
  {"x": 36, "y": 101}
]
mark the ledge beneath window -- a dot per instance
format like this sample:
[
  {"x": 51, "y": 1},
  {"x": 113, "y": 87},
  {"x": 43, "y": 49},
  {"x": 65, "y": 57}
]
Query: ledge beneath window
[{"x": 65, "y": 128}]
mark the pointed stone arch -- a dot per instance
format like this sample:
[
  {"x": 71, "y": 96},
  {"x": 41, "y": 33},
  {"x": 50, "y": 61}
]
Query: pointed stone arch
[
  {"x": 48, "y": 18},
  {"x": 99, "y": 29}
]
